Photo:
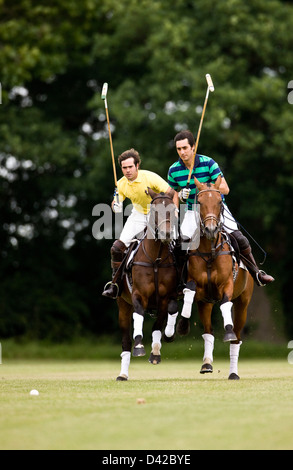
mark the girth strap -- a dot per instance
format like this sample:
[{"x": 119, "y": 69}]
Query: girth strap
[
  {"x": 209, "y": 261},
  {"x": 155, "y": 264}
]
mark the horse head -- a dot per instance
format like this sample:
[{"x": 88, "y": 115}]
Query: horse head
[
  {"x": 210, "y": 200},
  {"x": 163, "y": 218}
]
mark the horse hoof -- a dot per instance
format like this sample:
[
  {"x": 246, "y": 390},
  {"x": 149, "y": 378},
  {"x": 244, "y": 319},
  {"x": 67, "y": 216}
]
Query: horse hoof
[
  {"x": 121, "y": 377},
  {"x": 154, "y": 359},
  {"x": 168, "y": 339},
  {"x": 138, "y": 350},
  {"x": 229, "y": 335},
  {"x": 206, "y": 368},
  {"x": 233, "y": 376},
  {"x": 183, "y": 327}
]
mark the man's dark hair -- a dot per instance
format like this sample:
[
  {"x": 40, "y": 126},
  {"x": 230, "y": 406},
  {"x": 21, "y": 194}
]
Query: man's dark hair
[
  {"x": 185, "y": 135},
  {"x": 131, "y": 153}
]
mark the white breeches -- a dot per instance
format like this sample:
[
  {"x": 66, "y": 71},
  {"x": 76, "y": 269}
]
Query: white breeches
[
  {"x": 190, "y": 226},
  {"x": 135, "y": 224}
]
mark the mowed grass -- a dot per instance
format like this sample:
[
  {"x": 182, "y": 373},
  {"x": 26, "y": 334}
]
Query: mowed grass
[{"x": 81, "y": 405}]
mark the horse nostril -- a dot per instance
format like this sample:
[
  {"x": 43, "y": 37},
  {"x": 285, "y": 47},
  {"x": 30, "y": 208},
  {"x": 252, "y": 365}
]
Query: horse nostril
[{"x": 210, "y": 232}]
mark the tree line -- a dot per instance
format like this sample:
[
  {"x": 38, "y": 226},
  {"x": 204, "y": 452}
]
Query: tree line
[{"x": 54, "y": 149}]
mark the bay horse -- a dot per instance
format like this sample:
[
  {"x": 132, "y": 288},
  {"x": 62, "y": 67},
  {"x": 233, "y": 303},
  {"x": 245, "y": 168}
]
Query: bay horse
[
  {"x": 154, "y": 284},
  {"x": 215, "y": 276}
]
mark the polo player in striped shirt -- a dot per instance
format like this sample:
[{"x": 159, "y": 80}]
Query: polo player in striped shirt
[{"x": 206, "y": 170}]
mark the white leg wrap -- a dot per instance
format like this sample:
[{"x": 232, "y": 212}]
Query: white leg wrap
[
  {"x": 208, "y": 346},
  {"x": 156, "y": 335},
  {"x": 170, "y": 327},
  {"x": 234, "y": 355},
  {"x": 226, "y": 310},
  {"x": 137, "y": 324},
  {"x": 125, "y": 361},
  {"x": 188, "y": 301}
]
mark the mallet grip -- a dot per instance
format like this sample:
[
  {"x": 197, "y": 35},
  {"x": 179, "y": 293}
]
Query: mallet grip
[
  {"x": 210, "y": 82},
  {"x": 104, "y": 91}
]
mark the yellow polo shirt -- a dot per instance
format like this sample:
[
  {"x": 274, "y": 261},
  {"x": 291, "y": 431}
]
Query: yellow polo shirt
[{"x": 135, "y": 190}]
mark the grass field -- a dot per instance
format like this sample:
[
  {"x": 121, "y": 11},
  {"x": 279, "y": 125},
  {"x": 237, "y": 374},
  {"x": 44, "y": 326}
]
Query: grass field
[{"x": 81, "y": 406}]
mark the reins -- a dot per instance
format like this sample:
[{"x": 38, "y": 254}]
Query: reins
[
  {"x": 217, "y": 246},
  {"x": 157, "y": 263}
]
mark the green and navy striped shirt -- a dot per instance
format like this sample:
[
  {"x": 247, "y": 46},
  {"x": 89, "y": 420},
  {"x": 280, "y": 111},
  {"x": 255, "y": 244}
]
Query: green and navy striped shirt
[{"x": 205, "y": 169}]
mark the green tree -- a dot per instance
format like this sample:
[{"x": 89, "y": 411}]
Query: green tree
[{"x": 55, "y": 155}]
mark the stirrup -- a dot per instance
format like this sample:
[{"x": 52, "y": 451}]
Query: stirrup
[
  {"x": 258, "y": 281},
  {"x": 110, "y": 283}
]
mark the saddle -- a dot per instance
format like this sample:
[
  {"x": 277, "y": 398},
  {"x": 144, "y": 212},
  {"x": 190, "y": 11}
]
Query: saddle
[{"x": 125, "y": 269}]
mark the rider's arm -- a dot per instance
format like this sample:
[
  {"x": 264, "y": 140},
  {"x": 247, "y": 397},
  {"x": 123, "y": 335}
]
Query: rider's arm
[
  {"x": 224, "y": 188},
  {"x": 176, "y": 199}
]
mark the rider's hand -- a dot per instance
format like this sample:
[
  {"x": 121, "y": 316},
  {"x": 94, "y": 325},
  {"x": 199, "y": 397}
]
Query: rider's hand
[
  {"x": 117, "y": 207},
  {"x": 184, "y": 194}
]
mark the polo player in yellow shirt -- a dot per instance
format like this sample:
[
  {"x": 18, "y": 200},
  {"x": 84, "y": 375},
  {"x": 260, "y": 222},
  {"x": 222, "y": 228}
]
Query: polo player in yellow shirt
[{"x": 132, "y": 185}]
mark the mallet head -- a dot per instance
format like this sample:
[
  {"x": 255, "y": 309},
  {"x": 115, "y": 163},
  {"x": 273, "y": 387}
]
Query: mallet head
[
  {"x": 210, "y": 82},
  {"x": 104, "y": 91}
]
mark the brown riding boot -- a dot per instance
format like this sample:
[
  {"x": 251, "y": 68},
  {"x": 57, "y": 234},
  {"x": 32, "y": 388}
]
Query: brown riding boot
[
  {"x": 261, "y": 278},
  {"x": 111, "y": 289}
]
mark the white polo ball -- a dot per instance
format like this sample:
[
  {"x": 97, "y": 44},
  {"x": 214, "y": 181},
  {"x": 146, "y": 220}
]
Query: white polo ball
[{"x": 34, "y": 393}]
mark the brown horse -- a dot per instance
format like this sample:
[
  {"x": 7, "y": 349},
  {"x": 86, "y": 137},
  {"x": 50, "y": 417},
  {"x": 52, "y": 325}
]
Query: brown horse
[
  {"x": 215, "y": 276},
  {"x": 154, "y": 284}
]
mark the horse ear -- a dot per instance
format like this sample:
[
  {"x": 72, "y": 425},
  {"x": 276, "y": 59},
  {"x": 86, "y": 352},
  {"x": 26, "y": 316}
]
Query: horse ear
[
  {"x": 198, "y": 184},
  {"x": 218, "y": 182},
  {"x": 150, "y": 192}
]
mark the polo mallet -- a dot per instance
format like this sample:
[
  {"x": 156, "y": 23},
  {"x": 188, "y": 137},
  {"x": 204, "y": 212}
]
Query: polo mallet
[
  {"x": 104, "y": 97},
  {"x": 211, "y": 88}
]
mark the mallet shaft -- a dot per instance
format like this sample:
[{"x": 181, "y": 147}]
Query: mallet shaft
[
  {"x": 104, "y": 97},
  {"x": 211, "y": 88}
]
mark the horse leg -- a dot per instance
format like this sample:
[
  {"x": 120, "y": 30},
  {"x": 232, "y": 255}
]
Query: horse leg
[
  {"x": 205, "y": 313},
  {"x": 234, "y": 356},
  {"x": 208, "y": 353},
  {"x": 125, "y": 311},
  {"x": 125, "y": 362},
  {"x": 138, "y": 319},
  {"x": 235, "y": 345},
  {"x": 155, "y": 357},
  {"x": 226, "y": 309},
  {"x": 240, "y": 315},
  {"x": 169, "y": 333},
  {"x": 183, "y": 326}
]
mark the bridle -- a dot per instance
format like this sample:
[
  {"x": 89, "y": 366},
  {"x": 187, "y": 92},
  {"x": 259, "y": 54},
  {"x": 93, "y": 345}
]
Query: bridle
[
  {"x": 210, "y": 216},
  {"x": 155, "y": 224},
  {"x": 159, "y": 262},
  {"x": 217, "y": 245}
]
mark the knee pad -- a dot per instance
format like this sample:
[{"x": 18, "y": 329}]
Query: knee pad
[
  {"x": 117, "y": 250},
  {"x": 242, "y": 241}
]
